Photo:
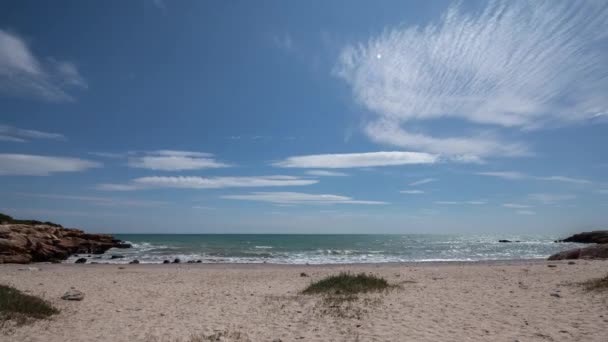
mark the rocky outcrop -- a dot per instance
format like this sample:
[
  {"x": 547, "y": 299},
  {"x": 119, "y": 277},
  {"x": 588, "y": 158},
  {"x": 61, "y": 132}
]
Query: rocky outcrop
[
  {"x": 591, "y": 252},
  {"x": 25, "y": 243},
  {"x": 596, "y": 236}
]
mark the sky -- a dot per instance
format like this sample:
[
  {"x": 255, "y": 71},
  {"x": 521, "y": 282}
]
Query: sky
[{"x": 305, "y": 117}]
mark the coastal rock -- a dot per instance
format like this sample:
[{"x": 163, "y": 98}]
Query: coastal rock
[
  {"x": 592, "y": 252},
  {"x": 596, "y": 236},
  {"x": 81, "y": 261},
  {"x": 134, "y": 262},
  {"x": 166, "y": 262},
  {"x": 73, "y": 295},
  {"x": 176, "y": 261},
  {"x": 28, "y": 241},
  {"x": 116, "y": 256}
]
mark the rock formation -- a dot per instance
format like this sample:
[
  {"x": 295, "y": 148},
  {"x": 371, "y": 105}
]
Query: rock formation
[
  {"x": 596, "y": 236},
  {"x": 599, "y": 251},
  {"x": 38, "y": 242},
  {"x": 591, "y": 252}
]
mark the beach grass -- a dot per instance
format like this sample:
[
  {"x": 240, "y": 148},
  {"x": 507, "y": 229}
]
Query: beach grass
[
  {"x": 19, "y": 307},
  {"x": 347, "y": 284},
  {"x": 597, "y": 284}
]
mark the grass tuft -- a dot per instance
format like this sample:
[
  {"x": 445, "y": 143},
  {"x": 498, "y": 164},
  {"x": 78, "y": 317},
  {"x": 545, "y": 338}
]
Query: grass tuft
[
  {"x": 19, "y": 307},
  {"x": 347, "y": 284},
  {"x": 598, "y": 284}
]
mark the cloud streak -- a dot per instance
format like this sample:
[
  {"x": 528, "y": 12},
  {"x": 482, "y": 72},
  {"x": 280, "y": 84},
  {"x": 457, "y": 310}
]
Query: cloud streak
[
  {"x": 514, "y": 64},
  {"x": 35, "y": 165},
  {"x": 14, "y": 134},
  {"x": 514, "y": 175},
  {"x": 170, "y": 160},
  {"x": 25, "y": 75},
  {"x": 292, "y": 198},
  {"x": 357, "y": 160},
  {"x": 195, "y": 182}
]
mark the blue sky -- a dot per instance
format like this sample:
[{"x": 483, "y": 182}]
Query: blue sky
[{"x": 305, "y": 117}]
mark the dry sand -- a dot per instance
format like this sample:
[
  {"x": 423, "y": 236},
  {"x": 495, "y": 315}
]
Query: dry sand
[{"x": 506, "y": 301}]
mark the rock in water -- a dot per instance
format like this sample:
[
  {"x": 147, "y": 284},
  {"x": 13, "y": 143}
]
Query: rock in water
[
  {"x": 591, "y": 252},
  {"x": 134, "y": 262},
  {"x": 73, "y": 295},
  {"x": 81, "y": 261},
  {"x": 596, "y": 236}
]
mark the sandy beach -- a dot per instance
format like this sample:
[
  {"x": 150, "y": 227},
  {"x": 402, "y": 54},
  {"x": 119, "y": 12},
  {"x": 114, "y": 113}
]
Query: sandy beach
[{"x": 500, "y": 301}]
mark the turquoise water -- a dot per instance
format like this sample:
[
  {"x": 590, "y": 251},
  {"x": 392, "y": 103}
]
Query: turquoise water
[{"x": 331, "y": 249}]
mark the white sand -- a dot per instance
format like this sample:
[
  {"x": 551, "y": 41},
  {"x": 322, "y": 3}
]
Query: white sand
[{"x": 508, "y": 301}]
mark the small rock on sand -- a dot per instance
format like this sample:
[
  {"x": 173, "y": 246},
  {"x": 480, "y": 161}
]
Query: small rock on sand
[{"x": 73, "y": 295}]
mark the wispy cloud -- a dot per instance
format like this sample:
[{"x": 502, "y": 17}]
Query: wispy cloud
[
  {"x": 516, "y": 205},
  {"x": 23, "y": 74},
  {"x": 299, "y": 198},
  {"x": 170, "y": 160},
  {"x": 412, "y": 192},
  {"x": 14, "y": 134},
  {"x": 514, "y": 175},
  {"x": 326, "y": 173},
  {"x": 474, "y": 202},
  {"x": 194, "y": 182},
  {"x": 103, "y": 201},
  {"x": 283, "y": 41},
  {"x": 525, "y": 212},
  {"x": 357, "y": 160},
  {"x": 551, "y": 198},
  {"x": 35, "y": 165},
  {"x": 511, "y": 65},
  {"x": 423, "y": 181}
]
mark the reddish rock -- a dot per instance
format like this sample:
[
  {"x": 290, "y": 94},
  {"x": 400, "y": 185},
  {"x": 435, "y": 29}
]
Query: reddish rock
[
  {"x": 592, "y": 252},
  {"x": 25, "y": 243}
]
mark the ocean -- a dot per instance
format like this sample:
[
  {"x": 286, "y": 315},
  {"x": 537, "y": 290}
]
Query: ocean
[{"x": 328, "y": 249}]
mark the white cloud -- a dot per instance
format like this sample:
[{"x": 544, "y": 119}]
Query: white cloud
[
  {"x": 460, "y": 149},
  {"x": 423, "y": 181},
  {"x": 194, "y": 182},
  {"x": 23, "y": 74},
  {"x": 34, "y": 165},
  {"x": 326, "y": 173},
  {"x": 104, "y": 201},
  {"x": 525, "y": 212},
  {"x": 514, "y": 175},
  {"x": 355, "y": 160},
  {"x": 474, "y": 202},
  {"x": 298, "y": 198},
  {"x": 516, "y": 205},
  {"x": 550, "y": 198},
  {"x": 511, "y": 65},
  {"x": 14, "y": 134},
  {"x": 412, "y": 192},
  {"x": 169, "y": 160}
]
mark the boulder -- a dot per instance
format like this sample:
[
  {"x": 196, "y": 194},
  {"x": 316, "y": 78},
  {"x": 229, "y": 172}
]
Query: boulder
[
  {"x": 166, "y": 262},
  {"x": 597, "y": 236},
  {"x": 81, "y": 261},
  {"x": 176, "y": 261},
  {"x": 591, "y": 252},
  {"x": 73, "y": 295},
  {"x": 134, "y": 262}
]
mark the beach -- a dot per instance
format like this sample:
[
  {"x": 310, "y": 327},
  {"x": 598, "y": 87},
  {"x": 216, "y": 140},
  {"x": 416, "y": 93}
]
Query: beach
[{"x": 531, "y": 300}]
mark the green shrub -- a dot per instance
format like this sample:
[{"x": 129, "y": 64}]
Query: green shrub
[
  {"x": 347, "y": 284},
  {"x": 18, "y": 306}
]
